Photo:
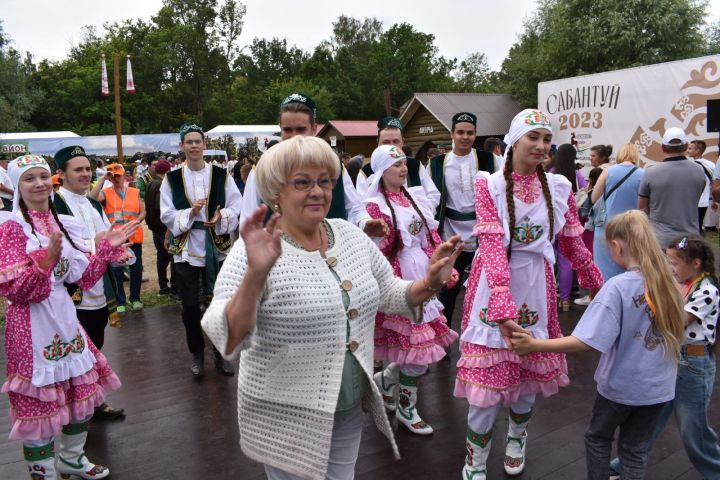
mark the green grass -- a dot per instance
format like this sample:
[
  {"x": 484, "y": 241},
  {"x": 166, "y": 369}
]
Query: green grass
[{"x": 152, "y": 299}]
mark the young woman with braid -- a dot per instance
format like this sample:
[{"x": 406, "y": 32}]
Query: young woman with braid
[
  {"x": 55, "y": 375},
  {"x": 406, "y": 347},
  {"x": 521, "y": 211}
]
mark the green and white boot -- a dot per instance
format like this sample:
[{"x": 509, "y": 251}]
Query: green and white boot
[
  {"x": 40, "y": 461},
  {"x": 387, "y": 382},
  {"x": 406, "y": 412},
  {"x": 478, "y": 449},
  {"x": 516, "y": 441},
  {"x": 72, "y": 459}
]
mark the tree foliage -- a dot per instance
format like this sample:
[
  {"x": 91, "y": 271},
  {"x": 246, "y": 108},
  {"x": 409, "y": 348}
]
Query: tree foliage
[
  {"x": 567, "y": 38},
  {"x": 188, "y": 64},
  {"x": 19, "y": 98}
]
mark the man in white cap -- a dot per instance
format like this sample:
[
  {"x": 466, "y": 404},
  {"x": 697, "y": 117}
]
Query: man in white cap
[{"x": 669, "y": 191}]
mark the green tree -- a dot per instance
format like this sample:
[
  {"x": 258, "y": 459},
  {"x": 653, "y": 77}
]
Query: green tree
[
  {"x": 474, "y": 75},
  {"x": 19, "y": 98},
  {"x": 575, "y": 37}
]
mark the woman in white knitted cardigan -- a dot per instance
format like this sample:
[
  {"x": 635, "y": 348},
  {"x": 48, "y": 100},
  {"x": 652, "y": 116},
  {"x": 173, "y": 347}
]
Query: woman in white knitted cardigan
[{"x": 299, "y": 298}]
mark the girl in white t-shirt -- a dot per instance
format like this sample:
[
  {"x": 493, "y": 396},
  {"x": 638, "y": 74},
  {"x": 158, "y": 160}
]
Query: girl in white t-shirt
[{"x": 635, "y": 321}]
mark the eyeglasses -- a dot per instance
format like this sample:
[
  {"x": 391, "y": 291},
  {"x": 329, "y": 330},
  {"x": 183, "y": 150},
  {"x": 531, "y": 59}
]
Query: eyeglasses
[{"x": 305, "y": 185}]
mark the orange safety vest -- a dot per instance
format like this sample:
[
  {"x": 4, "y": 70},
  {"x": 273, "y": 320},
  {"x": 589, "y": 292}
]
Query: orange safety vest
[{"x": 129, "y": 209}]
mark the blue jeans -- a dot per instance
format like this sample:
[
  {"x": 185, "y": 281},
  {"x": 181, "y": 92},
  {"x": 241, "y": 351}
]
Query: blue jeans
[
  {"x": 696, "y": 377},
  {"x": 136, "y": 270},
  {"x": 636, "y": 423}
]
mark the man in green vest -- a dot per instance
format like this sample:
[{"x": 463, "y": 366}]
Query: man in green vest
[
  {"x": 200, "y": 205},
  {"x": 96, "y": 305},
  {"x": 454, "y": 175}
]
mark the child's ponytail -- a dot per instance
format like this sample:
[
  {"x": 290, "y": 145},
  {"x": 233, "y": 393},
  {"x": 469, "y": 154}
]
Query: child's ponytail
[{"x": 662, "y": 294}]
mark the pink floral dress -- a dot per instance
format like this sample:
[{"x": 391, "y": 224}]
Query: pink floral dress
[
  {"x": 399, "y": 339},
  {"x": 55, "y": 374},
  {"x": 524, "y": 289}
]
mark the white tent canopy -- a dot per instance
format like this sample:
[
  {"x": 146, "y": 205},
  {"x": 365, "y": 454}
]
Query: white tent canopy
[
  {"x": 47, "y": 143},
  {"x": 243, "y": 130},
  {"x": 37, "y": 135}
]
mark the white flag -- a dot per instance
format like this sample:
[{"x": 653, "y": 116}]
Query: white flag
[
  {"x": 129, "y": 84},
  {"x": 104, "y": 89}
]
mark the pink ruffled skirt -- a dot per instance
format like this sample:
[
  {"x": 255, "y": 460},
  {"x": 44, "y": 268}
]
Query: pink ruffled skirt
[
  {"x": 38, "y": 413},
  {"x": 488, "y": 376},
  {"x": 399, "y": 340}
]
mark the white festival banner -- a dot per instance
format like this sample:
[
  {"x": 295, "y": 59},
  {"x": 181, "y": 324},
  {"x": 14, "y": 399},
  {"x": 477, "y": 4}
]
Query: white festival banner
[{"x": 634, "y": 105}]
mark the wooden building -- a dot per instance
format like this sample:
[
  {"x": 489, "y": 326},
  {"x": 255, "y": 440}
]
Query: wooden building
[
  {"x": 427, "y": 118},
  {"x": 352, "y": 136}
]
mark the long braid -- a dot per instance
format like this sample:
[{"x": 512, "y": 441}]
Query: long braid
[
  {"x": 397, "y": 240},
  {"x": 548, "y": 200},
  {"x": 419, "y": 212},
  {"x": 60, "y": 225},
  {"x": 507, "y": 174},
  {"x": 26, "y": 215}
]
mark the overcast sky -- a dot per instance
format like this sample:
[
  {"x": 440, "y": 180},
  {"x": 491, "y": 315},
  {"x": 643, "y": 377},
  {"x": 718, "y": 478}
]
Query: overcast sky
[{"x": 49, "y": 28}]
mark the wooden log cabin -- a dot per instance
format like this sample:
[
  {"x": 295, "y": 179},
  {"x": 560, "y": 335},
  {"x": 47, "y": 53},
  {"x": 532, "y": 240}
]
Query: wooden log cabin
[{"x": 427, "y": 118}]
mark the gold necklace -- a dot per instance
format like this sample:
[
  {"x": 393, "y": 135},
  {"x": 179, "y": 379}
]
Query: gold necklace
[{"x": 297, "y": 244}]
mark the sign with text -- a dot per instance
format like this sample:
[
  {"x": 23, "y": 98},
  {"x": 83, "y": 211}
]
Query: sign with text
[
  {"x": 634, "y": 105},
  {"x": 13, "y": 148}
]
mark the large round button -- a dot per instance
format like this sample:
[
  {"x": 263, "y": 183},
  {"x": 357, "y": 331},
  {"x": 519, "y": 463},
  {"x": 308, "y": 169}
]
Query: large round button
[
  {"x": 352, "y": 346},
  {"x": 331, "y": 261},
  {"x": 352, "y": 313},
  {"x": 346, "y": 285}
]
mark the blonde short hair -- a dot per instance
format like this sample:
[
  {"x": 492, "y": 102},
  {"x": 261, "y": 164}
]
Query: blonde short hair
[
  {"x": 628, "y": 153},
  {"x": 278, "y": 162}
]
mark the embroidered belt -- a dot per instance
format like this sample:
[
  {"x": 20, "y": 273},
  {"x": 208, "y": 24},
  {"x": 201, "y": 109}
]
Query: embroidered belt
[{"x": 459, "y": 216}]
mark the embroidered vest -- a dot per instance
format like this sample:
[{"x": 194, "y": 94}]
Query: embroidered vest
[
  {"x": 216, "y": 198},
  {"x": 109, "y": 282},
  {"x": 485, "y": 162}
]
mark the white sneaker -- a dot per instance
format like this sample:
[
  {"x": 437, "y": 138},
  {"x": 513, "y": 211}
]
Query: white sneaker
[{"x": 584, "y": 301}]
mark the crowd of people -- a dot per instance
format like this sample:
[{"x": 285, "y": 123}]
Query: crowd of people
[{"x": 335, "y": 283}]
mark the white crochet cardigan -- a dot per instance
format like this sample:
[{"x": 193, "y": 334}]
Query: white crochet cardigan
[{"x": 291, "y": 365}]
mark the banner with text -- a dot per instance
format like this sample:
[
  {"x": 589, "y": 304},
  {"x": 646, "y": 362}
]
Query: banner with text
[{"x": 634, "y": 105}]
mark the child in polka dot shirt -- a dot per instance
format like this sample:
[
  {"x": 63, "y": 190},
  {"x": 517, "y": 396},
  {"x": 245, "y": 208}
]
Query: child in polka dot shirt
[{"x": 693, "y": 264}]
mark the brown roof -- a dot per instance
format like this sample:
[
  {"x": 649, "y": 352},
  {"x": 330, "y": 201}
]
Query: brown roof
[
  {"x": 495, "y": 111},
  {"x": 352, "y": 128}
]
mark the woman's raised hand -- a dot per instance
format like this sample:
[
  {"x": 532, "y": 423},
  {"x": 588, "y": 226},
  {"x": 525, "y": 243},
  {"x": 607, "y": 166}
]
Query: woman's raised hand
[
  {"x": 442, "y": 262},
  {"x": 120, "y": 236},
  {"x": 53, "y": 251},
  {"x": 262, "y": 244}
]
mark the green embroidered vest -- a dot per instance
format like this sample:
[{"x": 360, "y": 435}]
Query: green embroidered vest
[
  {"x": 485, "y": 162},
  {"x": 216, "y": 199},
  {"x": 109, "y": 282},
  {"x": 337, "y": 206}
]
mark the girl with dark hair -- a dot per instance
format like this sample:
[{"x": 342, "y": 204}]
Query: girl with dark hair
[
  {"x": 565, "y": 165},
  {"x": 405, "y": 346},
  {"x": 55, "y": 375},
  {"x": 521, "y": 211}
]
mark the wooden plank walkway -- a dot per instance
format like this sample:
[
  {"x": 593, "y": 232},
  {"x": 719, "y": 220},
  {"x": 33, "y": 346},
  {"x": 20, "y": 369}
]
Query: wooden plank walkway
[{"x": 181, "y": 428}]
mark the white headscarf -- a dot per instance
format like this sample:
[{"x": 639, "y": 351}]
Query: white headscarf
[
  {"x": 19, "y": 166},
  {"x": 383, "y": 157},
  {"x": 522, "y": 123}
]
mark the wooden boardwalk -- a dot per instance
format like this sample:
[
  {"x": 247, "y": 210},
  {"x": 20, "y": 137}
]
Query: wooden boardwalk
[{"x": 181, "y": 428}]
